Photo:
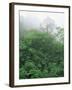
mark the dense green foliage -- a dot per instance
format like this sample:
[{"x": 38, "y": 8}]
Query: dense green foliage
[{"x": 41, "y": 55}]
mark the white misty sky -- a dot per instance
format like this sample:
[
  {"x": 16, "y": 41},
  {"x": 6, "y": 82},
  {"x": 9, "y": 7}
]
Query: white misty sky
[{"x": 41, "y": 16}]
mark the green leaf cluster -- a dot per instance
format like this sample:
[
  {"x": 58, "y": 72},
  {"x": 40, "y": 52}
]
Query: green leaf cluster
[{"x": 40, "y": 56}]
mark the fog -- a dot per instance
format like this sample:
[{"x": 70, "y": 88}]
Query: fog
[{"x": 41, "y": 20}]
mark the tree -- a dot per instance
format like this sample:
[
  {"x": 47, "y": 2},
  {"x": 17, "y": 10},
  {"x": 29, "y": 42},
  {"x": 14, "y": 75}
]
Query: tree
[
  {"x": 41, "y": 55},
  {"x": 60, "y": 34}
]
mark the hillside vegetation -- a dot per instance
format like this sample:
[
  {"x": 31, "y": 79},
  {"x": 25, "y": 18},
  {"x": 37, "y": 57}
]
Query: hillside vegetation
[{"x": 40, "y": 55}]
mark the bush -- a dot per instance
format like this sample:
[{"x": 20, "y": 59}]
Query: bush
[{"x": 41, "y": 55}]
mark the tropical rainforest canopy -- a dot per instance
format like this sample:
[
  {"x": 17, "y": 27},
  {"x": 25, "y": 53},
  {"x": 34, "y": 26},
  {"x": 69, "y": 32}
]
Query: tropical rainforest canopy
[{"x": 41, "y": 55}]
